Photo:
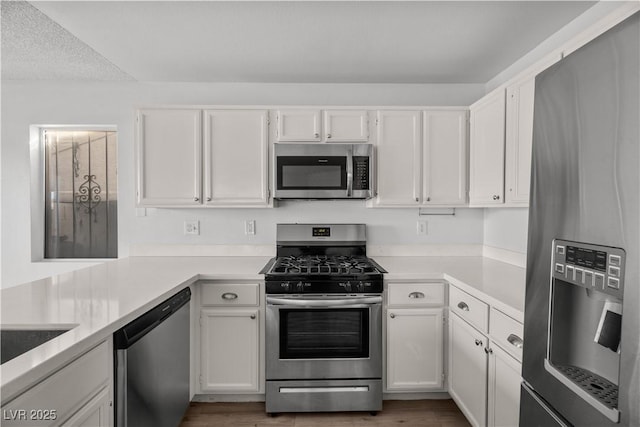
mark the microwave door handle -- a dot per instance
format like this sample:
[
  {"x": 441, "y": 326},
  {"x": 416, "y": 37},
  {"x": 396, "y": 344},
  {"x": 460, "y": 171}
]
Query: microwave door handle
[{"x": 350, "y": 171}]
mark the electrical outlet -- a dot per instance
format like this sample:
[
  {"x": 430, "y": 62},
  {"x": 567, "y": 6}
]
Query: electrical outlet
[
  {"x": 421, "y": 228},
  {"x": 250, "y": 227},
  {"x": 192, "y": 227}
]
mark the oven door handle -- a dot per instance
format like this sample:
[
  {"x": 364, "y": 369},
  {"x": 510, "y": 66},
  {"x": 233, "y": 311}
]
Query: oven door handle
[{"x": 299, "y": 302}]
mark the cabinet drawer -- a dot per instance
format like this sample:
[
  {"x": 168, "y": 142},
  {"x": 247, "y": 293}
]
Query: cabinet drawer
[
  {"x": 507, "y": 333},
  {"x": 416, "y": 294},
  {"x": 226, "y": 294},
  {"x": 469, "y": 308},
  {"x": 55, "y": 399}
]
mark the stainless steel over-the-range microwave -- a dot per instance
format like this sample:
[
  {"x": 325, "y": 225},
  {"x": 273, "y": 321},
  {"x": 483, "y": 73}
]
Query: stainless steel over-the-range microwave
[{"x": 323, "y": 171}]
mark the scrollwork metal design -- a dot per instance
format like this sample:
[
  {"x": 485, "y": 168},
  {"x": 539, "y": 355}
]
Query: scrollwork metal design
[{"x": 89, "y": 194}]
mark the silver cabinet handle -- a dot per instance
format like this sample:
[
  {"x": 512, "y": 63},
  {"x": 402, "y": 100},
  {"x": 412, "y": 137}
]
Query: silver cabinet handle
[
  {"x": 463, "y": 306},
  {"x": 416, "y": 295},
  {"x": 328, "y": 135},
  {"x": 253, "y": 316},
  {"x": 488, "y": 350},
  {"x": 316, "y": 134},
  {"x": 515, "y": 341},
  {"x": 428, "y": 199},
  {"x": 208, "y": 199},
  {"x": 417, "y": 200},
  {"x": 496, "y": 197},
  {"x": 393, "y": 316},
  {"x": 229, "y": 296},
  {"x": 478, "y": 342},
  {"x": 196, "y": 199}
]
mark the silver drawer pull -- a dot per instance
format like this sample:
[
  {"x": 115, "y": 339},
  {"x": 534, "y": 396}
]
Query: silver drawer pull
[
  {"x": 478, "y": 342},
  {"x": 463, "y": 306},
  {"x": 229, "y": 296},
  {"x": 393, "y": 316},
  {"x": 416, "y": 295},
  {"x": 515, "y": 340},
  {"x": 253, "y": 316}
]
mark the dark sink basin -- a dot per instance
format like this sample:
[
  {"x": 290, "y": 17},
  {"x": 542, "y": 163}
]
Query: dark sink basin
[{"x": 14, "y": 342}]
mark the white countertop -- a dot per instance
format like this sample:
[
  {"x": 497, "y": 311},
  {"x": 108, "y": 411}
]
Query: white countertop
[{"x": 97, "y": 301}]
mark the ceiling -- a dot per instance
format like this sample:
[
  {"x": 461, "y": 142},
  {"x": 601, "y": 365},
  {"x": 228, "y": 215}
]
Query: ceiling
[{"x": 275, "y": 41}]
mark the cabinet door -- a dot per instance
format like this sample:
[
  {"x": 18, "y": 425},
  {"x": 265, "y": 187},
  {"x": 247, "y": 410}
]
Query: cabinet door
[
  {"x": 504, "y": 388},
  {"x": 486, "y": 181},
  {"x": 399, "y": 151},
  {"x": 95, "y": 413},
  {"x": 169, "y": 157},
  {"x": 520, "y": 99},
  {"x": 299, "y": 125},
  {"x": 414, "y": 349},
  {"x": 236, "y": 161},
  {"x": 444, "y": 169},
  {"x": 346, "y": 126},
  {"x": 230, "y": 347},
  {"x": 468, "y": 370}
]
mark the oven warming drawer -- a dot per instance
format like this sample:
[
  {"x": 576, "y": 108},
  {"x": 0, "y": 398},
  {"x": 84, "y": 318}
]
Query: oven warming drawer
[{"x": 320, "y": 395}]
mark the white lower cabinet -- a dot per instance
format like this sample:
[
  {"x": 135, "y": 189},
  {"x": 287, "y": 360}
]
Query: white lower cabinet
[
  {"x": 229, "y": 342},
  {"x": 484, "y": 362},
  {"x": 505, "y": 376},
  {"x": 468, "y": 369},
  {"x": 79, "y": 394},
  {"x": 414, "y": 349},
  {"x": 231, "y": 338},
  {"x": 414, "y": 337}
]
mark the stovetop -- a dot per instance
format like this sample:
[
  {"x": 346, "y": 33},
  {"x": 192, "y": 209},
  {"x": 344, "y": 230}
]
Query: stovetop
[
  {"x": 322, "y": 259},
  {"x": 323, "y": 264}
]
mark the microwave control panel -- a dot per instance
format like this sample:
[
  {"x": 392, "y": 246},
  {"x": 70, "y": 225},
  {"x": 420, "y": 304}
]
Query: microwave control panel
[
  {"x": 591, "y": 266},
  {"x": 361, "y": 173}
]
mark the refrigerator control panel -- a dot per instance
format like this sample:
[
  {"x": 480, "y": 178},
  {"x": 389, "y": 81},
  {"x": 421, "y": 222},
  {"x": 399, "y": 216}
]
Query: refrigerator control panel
[{"x": 591, "y": 266}]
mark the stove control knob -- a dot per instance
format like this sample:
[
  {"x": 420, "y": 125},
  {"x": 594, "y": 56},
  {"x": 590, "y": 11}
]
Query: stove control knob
[
  {"x": 285, "y": 286},
  {"x": 300, "y": 286},
  {"x": 360, "y": 287},
  {"x": 346, "y": 286}
]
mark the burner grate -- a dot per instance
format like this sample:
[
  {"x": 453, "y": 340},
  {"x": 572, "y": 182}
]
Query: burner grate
[{"x": 603, "y": 390}]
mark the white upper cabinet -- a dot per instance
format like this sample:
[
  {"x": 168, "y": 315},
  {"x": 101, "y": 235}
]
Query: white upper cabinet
[
  {"x": 444, "y": 169},
  {"x": 346, "y": 126},
  {"x": 323, "y": 126},
  {"x": 169, "y": 157},
  {"x": 299, "y": 125},
  {"x": 486, "y": 169},
  {"x": 520, "y": 97},
  {"x": 422, "y": 158},
  {"x": 399, "y": 153},
  {"x": 235, "y": 162}
]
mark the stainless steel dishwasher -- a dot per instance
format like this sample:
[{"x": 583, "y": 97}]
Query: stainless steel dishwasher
[{"x": 152, "y": 366}]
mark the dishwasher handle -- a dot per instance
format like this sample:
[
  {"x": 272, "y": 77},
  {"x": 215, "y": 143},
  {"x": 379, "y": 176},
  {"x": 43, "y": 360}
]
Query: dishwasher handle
[{"x": 138, "y": 328}]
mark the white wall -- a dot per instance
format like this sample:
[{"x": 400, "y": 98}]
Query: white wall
[
  {"x": 506, "y": 228},
  {"x": 25, "y": 104}
]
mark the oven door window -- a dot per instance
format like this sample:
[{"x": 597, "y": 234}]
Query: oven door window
[
  {"x": 324, "y": 334},
  {"x": 307, "y": 172}
]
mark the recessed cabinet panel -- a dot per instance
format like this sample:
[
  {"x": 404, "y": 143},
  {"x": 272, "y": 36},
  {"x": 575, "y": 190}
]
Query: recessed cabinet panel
[
  {"x": 399, "y": 148},
  {"x": 520, "y": 99},
  {"x": 414, "y": 349},
  {"x": 346, "y": 126},
  {"x": 505, "y": 378},
  {"x": 229, "y": 341},
  {"x": 236, "y": 144},
  {"x": 468, "y": 370},
  {"x": 444, "y": 168},
  {"x": 486, "y": 181},
  {"x": 299, "y": 125},
  {"x": 169, "y": 154}
]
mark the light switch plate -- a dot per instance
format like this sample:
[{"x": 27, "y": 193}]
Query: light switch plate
[
  {"x": 250, "y": 227},
  {"x": 421, "y": 228}
]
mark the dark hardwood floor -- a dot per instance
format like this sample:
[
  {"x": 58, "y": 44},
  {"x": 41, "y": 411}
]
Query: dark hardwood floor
[{"x": 405, "y": 413}]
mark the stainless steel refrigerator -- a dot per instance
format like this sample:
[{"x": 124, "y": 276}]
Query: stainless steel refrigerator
[{"x": 581, "y": 361}]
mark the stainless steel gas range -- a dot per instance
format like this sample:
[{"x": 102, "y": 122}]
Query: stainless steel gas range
[{"x": 323, "y": 321}]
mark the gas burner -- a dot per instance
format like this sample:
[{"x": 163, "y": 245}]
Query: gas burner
[{"x": 322, "y": 264}]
